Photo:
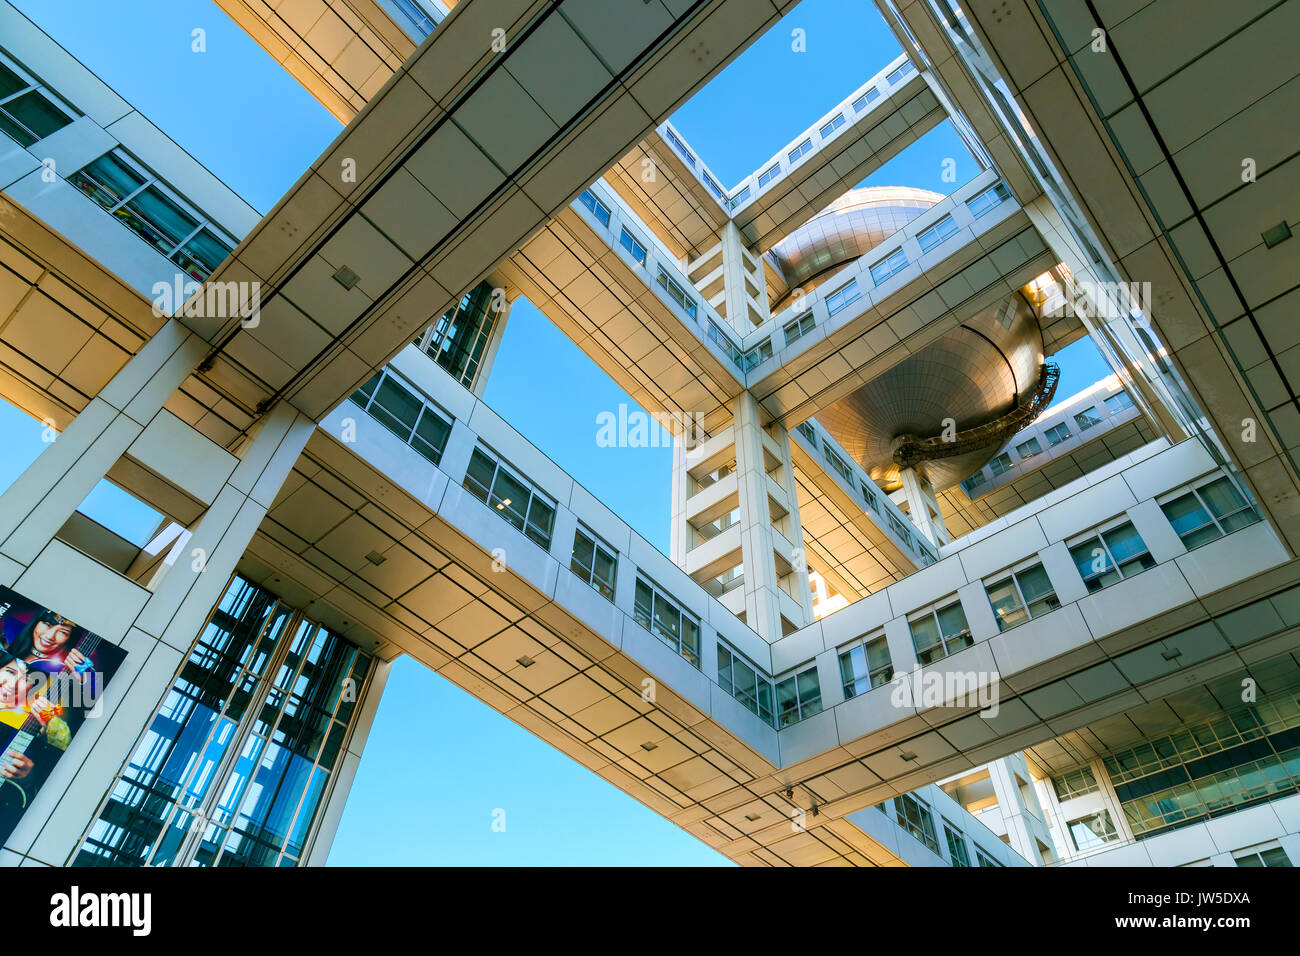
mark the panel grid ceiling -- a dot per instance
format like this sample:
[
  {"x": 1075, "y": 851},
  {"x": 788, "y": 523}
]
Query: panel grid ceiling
[
  {"x": 580, "y": 85},
  {"x": 577, "y": 693}
]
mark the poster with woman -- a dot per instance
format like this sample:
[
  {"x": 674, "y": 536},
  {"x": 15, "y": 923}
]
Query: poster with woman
[{"x": 52, "y": 673}]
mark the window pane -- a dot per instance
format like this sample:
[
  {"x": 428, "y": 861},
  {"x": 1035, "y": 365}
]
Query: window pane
[
  {"x": 1124, "y": 542},
  {"x": 37, "y": 113},
  {"x": 584, "y": 554},
  {"x": 509, "y": 497},
  {"x": 157, "y": 219},
  {"x": 1186, "y": 514},
  {"x": 1222, "y": 497},
  {"x": 925, "y": 634},
  {"x": 107, "y": 180},
  {"x": 202, "y": 254},
  {"x": 478, "y": 479},
  {"x": 432, "y": 431},
  {"x": 396, "y": 408},
  {"x": 10, "y": 82},
  {"x": 1034, "y": 582},
  {"x": 952, "y": 619},
  {"x": 1006, "y": 604},
  {"x": 641, "y": 612}
]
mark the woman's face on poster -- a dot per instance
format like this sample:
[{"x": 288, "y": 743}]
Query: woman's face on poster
[
  {"x": 15, "y": 683},
  {"x": 49, "y": 638}
]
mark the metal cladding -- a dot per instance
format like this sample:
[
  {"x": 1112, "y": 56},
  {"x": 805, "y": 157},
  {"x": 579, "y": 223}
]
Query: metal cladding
[
  {"x": 846, "y": 229},
  {"x": 971, "y": 375}
]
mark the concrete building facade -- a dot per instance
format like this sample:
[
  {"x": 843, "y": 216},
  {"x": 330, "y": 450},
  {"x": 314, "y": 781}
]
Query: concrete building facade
[{"x": 917, "y": 610}]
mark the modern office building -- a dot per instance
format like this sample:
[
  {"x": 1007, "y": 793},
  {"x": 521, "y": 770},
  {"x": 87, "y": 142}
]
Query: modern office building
[{"x": 918, "y": 609}]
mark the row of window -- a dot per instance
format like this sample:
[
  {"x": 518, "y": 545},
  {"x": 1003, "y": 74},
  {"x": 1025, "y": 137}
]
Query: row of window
[
  {"x": 916, "y": 818},
  {"x": 825, "y": 132},
  {"x": 1025, "y": 593},
  {"x": 637, "y": 250},
  {"x": 137, "y": 199},
  {"x": 1058, "y": 433},
  {"x": 796, "y": 697},
  {"x": 900, "y": 527}
]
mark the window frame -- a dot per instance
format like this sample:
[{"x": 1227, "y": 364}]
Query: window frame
[
  {"x": 800, "y": 329},
  {"x": 889, "y": 266},
  {"x": 370, "y": 391},
  {"x": 840, "y": 299},
  {"x": 1194, "y": 491},
  {"x": 34, "y": 86},
  {"x": 677, "y": 293},
  {"x": 769, "y": 175},
  {"x": 628, "y": 240},
  {"x": 935, "y": 234},
  {"x": 1012, "y": 574},
  {"x": 1098, "y": 534},
  {"x": 793, "y": 688},
  {"x": 1053, "y": 442},
  {"x": 955, "y": 839},
  {"x": 850, "y": 678},
  {"x": 996, "y": 195},
  {"x": 830, "y": 127},
  {"x": 866, "y": 99},
  {"x": 1092, "y": 420},
  {"x": 535, "y": 495},
  {"x": 763, "y": 710},
  {"x": 800, "y": 151},
  {"x": 690, "y": 654},
  {"x": 151, "y": 180},
  {"x": 931, "y": 613},
  {"x": 924, "y": 815},
  {"x": 588, "y": 574},
  {"x": 599, "y": 211}
]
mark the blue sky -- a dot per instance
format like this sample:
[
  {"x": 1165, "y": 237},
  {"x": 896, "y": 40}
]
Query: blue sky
[{"x": 438, "y": 762}]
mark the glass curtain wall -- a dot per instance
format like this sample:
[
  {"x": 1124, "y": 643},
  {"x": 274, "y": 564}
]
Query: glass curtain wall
[{"x": 239, "y": 756}]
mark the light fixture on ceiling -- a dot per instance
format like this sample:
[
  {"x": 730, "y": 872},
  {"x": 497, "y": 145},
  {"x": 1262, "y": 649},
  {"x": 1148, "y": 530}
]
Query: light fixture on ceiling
[
  {"x": 907, "y": 757},
  {"x": 525, "y": 661},
  {"x": 1275, "y": 234},
  {"x": 649, "y": 745},
  {"x": 752, "y": 817},
  {"x": 503, "y": 504},
  {"x": 346, "y": 277},
  {"x": 375, "y": 558}
]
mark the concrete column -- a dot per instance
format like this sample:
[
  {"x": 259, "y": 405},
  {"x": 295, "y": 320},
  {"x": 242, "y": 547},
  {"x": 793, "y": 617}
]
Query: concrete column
[
  {"x": 155, "y": 625},
  {"x": 735, "y": 270},
  {"x": 923, "y": 505},
  {"x": 1025, "y": 828},
  {"x": 763, "y": 605}
]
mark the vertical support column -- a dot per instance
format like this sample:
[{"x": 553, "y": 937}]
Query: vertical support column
[
  {"x": 678, "y": 533},
  {"x": 923, "y": 505},
  {"x": 155, "y": 625},
  {"x": 1026, "y": 829},
  {"x": 759, "y": 541},
  {"x": 735, "y": 271}
]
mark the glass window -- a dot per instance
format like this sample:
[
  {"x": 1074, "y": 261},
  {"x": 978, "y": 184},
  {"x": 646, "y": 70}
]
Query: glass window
[
  {"x": 27, "y": 113},
  {"x": 140, "y": 202},
  {"x": 1209, "y": 512},
  {"x": 940, "y": 633},
  {"x": 1000, "y": 464},
  {"x": 1087, "y": 418},
  {"x": 901, "y": 72},
  {"x": 866, "y": 98},
  {"x": 1076, "y": 783},
  {"x": 598, "y": 208},
  {"x": 1092, "y": 831},
  {"x": 678, "y": 145},
  {"x": 664, "y": 618},
  {"x": 892, "y": 264},
  {"x": 713, "y": 186},
  {"x": 797, "y": 328},
  {"x": 677, "y": 293},
  {"x": 594, "y": 561},
  {"x": 984, "y": 859},
  {"x": 914, "y": 817},
  {"x": 956, "y": 845},
  {"x": 232, "y": 769},
  {"x": 729, "y": 347},
  {"x": 800, "y": 151},
  {"x": 865, "y": 666},
  {"x": 842, "y": 297},
  {"x": 1029, "y": 448},
  {"x": 937, "y": 233},
  {"x": 630, "y": 243},
  {"x": 869, "y": 495},
  {"x": 399, "y": 408},
  {"x": 1119, "y": 401},
  {"x": 510, "y": 495},
  {"x": 835, "y": 123},
  {"x": 1274, "y": 856},
  {"x": 740, "y": 197},
  {"x": 1057, "y": 434},
  {"x": 839, "y": 466},
  {"x": 808, "y": 432},
  {"x": 995, "y": 195},
  {"x": 769, "y": 174},
  {"x": 798, "y": 696},
  {"x": 1111, "y": 556},
  {"x": 759, "y": 354},
  {"x": 745, "y": 682},
  {"x": 1022, "y": 595}
]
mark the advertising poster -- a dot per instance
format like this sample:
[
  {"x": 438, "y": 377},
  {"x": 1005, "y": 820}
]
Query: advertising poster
[{"x": 52, "y": 673}]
